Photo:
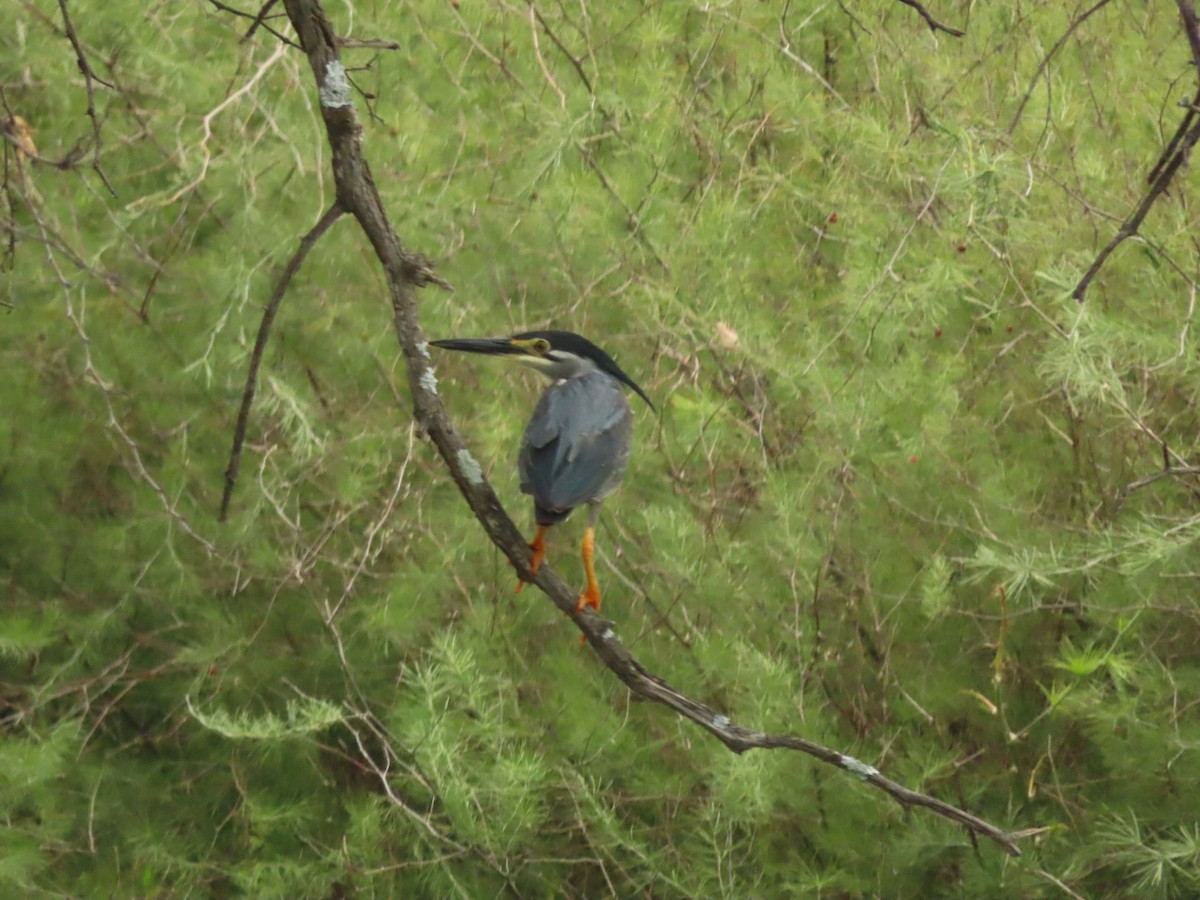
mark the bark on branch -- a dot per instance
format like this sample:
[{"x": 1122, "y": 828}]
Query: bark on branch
[{"x": 405, "y": 272}]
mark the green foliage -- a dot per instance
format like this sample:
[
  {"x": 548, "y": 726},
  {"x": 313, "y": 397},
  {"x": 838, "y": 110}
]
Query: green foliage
[
  {"x": 299, "y": 719},
  {"x": 898, "y": 499},
  {"x": 1160, "y": 865}
]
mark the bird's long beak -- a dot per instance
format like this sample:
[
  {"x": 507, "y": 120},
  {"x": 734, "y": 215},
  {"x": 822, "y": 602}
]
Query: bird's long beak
[{"x": 488, "y": 346}]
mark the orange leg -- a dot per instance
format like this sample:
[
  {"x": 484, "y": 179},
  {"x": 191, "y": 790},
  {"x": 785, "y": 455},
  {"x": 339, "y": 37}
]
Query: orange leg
[
  {"x": 538, "y": 547},
  {"x": 591, "y": 594}
]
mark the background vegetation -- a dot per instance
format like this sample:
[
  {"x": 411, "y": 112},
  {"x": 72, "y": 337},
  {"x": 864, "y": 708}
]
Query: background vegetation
[{"x": 896, "y": 499}]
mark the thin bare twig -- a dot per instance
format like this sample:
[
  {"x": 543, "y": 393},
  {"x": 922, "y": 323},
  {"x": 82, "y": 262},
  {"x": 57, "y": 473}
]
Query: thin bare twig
[
  {"x": 1185, "y": 124},
  {"x": 571, "y": 57},
  {"x": 367, "y": 44},
  {"x": 258, "y": 20},
  {"x": 1058, "y": 45},
  {"x": 1168, "y": 472},
  {"x": 12, "y": 133},
  {"x": 207, "y": 123},
  {"x": 934, "y": 25},
  {"x": 330, "y": 216},
  {"x": 358, "y": 196},
  {"x": 89, "y": 76},
  {"x": 632, "y": 220}
]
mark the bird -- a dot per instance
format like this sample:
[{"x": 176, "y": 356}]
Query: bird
[{"x": 577, "y": 442}]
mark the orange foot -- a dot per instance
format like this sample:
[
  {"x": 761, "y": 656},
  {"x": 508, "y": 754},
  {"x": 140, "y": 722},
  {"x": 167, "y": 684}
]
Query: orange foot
[
  {"x": 538, "y": 548},
  {"x": 590, "y": 597}
]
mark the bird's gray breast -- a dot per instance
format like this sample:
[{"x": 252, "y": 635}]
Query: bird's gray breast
[{"x": 576, "y": 445}]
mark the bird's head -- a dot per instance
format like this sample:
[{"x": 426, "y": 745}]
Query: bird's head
[{"x": 556, "y": 354}]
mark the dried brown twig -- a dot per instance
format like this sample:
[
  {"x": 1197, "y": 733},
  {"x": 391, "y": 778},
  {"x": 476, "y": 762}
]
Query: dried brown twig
[{"x": 405, "y": 272}]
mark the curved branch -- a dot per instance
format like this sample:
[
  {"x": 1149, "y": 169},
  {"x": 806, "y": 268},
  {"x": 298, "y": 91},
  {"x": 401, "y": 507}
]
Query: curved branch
[
  {"x": 406, "y": 272},
  {"x": 934, "y": 25},
  {"x": 330, "y": 216}
]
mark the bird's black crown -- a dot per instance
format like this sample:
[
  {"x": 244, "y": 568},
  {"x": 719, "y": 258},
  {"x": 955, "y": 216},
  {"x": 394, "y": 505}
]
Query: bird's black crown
[{"x": 577, "y": 344}]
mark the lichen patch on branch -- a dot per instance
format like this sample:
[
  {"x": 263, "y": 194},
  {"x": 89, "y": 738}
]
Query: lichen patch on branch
[{"x": 335, "y": 90}]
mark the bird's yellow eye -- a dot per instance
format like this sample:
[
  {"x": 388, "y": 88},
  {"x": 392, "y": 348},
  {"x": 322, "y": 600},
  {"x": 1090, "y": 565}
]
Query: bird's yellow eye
[{"x": 542, "y": 346}]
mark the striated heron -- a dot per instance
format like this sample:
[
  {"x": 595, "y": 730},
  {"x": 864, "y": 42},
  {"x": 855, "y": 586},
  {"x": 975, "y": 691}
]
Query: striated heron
[{"x": 577, "y": 444}]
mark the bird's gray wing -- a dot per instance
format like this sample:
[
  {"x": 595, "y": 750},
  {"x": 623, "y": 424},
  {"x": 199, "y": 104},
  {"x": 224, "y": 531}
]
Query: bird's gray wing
[{"x": 576, "y": 445}]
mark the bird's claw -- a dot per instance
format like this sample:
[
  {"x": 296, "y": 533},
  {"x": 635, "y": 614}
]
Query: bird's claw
[
  {"x": 538, "y": 550},
  {"x": 590, "y": 597}
]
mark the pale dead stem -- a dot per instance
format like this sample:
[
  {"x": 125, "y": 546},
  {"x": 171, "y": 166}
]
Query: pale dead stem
[
  {"x": 1059, "y": 884},
  {"x": 632, "y": 216},
  {"x": 537, "y": 49},
  {"x": 203, "y": 147},
  {"x": 76, "y": 315},
  {"x": 368, "y": 551}
]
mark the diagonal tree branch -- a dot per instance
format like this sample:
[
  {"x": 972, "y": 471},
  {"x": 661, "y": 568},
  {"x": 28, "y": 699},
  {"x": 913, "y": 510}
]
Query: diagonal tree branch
[
  {"x": 1191, "y": 28},
  {"x": 1172, "y": 159},
  {"x": 934, "y": 25},
  {"x": 405, "y": 272}
]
